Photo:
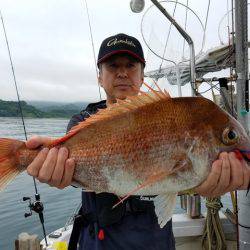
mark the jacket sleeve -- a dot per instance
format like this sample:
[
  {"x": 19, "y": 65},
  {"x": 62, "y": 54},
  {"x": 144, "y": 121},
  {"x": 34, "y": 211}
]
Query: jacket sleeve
[
  {"x": 73, "y": 122},
  {"x": 75, "y": 119}
]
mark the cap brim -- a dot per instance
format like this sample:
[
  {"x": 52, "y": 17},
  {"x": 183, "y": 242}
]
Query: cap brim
[{"x": 104, "y": 58}]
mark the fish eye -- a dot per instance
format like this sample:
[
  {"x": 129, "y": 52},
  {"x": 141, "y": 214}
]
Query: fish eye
[{"x": 229, "y": 136}]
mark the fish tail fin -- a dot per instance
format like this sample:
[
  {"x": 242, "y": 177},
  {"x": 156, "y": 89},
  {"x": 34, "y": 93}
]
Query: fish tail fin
[{"x": 8, "y": 160}]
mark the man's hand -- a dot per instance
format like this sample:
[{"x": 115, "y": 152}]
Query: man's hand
[
  {"x": 51, "y": 166},
  {"x": 228, "y": 174}
]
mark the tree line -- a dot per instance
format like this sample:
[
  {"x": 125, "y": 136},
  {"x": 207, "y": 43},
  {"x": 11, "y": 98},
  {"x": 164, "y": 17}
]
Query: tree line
[{"x": 11, "y": 109}]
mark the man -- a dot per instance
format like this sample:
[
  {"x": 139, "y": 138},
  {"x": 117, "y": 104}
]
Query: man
[{"x": 134, "y": 225}]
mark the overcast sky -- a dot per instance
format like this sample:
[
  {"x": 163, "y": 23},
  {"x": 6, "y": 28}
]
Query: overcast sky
[{"x": 52, "y": 52}]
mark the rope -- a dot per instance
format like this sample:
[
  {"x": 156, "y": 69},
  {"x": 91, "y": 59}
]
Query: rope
[
  {"x": 212, "y": 87},
  {"x": 213, "y": 237},
  {"x": 213, "y": 94}
]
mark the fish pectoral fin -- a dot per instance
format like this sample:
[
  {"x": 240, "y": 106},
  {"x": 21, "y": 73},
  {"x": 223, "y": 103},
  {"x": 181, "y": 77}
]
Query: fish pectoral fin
[
  {"x": 164, "y": 207},
  {"x": 152, "y": 179},
  {"x": 182, "y": 165}
]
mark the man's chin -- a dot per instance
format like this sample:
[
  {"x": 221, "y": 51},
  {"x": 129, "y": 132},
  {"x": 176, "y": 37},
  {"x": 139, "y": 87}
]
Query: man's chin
[{"x": 123, "y": 96}]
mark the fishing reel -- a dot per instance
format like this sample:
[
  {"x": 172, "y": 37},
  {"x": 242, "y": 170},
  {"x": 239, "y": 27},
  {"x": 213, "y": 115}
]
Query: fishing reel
[{"x": 36, "y": 206}]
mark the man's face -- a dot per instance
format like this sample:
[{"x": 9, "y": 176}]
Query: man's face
[{"x": 121, "y": 76}]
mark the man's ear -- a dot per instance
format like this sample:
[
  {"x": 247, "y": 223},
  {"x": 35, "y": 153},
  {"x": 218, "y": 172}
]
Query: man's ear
[
  {"x": 142, "y": 79},
  {"x": 100, "y": 79},
  {"x": 142, "y": 74}
]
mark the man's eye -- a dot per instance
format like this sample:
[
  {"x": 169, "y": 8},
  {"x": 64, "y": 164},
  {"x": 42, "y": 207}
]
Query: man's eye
[
  {"x": 131, "y": 65},
  {"x": 112, "y": 65}
]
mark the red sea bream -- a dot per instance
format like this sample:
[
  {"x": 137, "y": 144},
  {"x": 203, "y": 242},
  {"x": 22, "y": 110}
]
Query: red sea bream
[{"x": 146, "y": 145}]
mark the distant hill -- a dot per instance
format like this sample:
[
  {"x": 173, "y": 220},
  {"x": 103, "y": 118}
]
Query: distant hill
[
  {"x": 39, "y": 109},
  {"x": 11, "y": 109},
  {"x": 48, "y": 106}
]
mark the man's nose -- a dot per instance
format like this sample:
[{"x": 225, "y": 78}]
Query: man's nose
[{"x": 122, "y": 72}]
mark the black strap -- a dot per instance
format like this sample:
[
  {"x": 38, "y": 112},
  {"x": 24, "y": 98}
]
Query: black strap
[
  {"x": 76, "y": 230},
  {"x": 75, "y": 234},
  {"x": 79, "y": 222}
]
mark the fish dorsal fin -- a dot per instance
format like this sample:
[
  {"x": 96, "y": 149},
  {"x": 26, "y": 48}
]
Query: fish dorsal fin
[
  {"x": 161, "y": 94},
  {"x": 121, "y": 106}
]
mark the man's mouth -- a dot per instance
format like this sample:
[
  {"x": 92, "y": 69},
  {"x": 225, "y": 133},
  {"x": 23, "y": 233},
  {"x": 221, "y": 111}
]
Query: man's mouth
[{"x": 123, "y": 86}]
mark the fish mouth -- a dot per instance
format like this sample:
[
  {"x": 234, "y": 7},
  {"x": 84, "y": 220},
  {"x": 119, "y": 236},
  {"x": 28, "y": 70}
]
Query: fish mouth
[
  {"x": 241, "y": 154},
  {"x": 245, "y": 154}
]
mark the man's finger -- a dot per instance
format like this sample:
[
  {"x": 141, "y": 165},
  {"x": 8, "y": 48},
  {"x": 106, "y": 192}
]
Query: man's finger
[
  {"x": 207, "y": 187},
  {"x": 57, "y": 175},
  {"x": 237, "y": 178},
  {"x": 224, "y": 180},
  {"x": 68, "y": 173},
  {"x": 245, "y": 179},
  {"x": 47, "y": 169},
  {"x": 36, "y": 141},
  {"x": 35, "y": 166}
]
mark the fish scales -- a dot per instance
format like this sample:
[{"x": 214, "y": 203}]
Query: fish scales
[{"x": 133, "y": 143}]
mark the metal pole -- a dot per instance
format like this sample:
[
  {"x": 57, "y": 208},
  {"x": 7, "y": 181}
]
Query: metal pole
[
  {"x": 187, "y": 38},
  {"x": 178, "y": 80},
  {"x": 242, "y": 110}
]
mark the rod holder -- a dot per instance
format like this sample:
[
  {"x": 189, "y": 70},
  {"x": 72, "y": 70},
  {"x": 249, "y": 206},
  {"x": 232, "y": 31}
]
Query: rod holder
[
  {"x": 183, "y": 201},
  {"x": 194, "y": 206}
]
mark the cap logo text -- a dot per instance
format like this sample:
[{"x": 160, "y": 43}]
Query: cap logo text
[{"x": 115, "y": 41}]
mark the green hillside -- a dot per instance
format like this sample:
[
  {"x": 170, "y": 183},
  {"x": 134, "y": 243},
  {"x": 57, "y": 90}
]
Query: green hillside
[{"x": 11, "y": 109}]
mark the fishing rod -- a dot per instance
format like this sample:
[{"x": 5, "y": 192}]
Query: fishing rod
[
  {"x": 93, "y": 47},
  {"x": 37, "y": 205}
]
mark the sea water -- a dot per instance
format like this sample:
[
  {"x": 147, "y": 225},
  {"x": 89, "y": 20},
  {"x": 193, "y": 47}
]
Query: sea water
[{"x": 59, "y": 205}]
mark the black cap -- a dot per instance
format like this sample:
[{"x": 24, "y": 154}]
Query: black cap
[{"x": 120, "y": 44}]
